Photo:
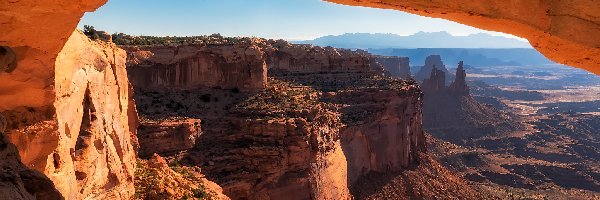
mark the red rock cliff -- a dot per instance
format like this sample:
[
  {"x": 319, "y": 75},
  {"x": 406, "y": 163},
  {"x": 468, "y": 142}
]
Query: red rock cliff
[
  {"x": 83, "y": 143},
  {"x": 286, "y": 57},
  {"x": 190, "y": 67}
]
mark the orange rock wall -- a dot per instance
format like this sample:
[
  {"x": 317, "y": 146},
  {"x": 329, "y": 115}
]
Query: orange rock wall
[
  {"x": 285, "y": 57},
  {"x": 167, "y": 136},
  {"x": 275, "y": 159},
  {"x": 83, "y": 143},
  {"x": 388, "y": 141},
  {"x": 193, "y": 67}
]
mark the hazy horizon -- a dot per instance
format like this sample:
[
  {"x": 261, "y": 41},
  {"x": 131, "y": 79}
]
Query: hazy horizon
[{"x": 292, "y": 20}]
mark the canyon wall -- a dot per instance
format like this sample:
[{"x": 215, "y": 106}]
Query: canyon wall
[
  {"x": 84, "y": 142},
  {"x": 293, "y": 158},
  {"x": 389, "y": 140},
  {"x": 297, "y": 58},
  {"x": 397, "y": 66},
  {"x": 167, "y": 136},
  {"x": 187, "y": 67}
]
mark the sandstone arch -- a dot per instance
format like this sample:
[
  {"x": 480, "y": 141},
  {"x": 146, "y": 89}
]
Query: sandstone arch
[{"x": 566, "y": 31}]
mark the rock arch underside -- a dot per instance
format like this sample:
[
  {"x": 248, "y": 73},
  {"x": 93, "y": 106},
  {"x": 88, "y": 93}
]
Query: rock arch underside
[{"x": 67, "y": 105}]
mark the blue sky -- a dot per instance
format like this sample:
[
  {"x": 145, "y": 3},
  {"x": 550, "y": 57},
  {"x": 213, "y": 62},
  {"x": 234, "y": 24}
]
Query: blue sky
[{"x": 285, "y": 19}]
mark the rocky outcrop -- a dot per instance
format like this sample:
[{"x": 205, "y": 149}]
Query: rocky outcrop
[
  {"x": 167, "y": 136},
  {"x": 382, "y": 129},
  {"x": 459, "y": 86},
  {"x": 388, "y": 140},
  {"x": 297, "y": 58},
  {"x": 155, "y": 179},
  {"x": 436, "y": 83},
  {"x": 277, "y": 143},
  {"x": 452, "y": 114},
  {"x": 564, "y": 31},
  {"x": 83, "y": 143},
  {"x": 433, "y": 61},
  {"x": 397, "y": 66},
  {"x": 296, "y": 158},
  {"x": 190, "y": 67}
]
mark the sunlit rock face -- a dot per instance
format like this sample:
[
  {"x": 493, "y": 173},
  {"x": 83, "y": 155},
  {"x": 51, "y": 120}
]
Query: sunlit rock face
[
  {"x": 167, "y": 136},
  {"x": 36, "y": 31},
  {"x": 301, "y": 58},
  {"x": 564, "y": 31},
  {"x": 83, "y": 142},
  {"x": 189, "y": 67}
]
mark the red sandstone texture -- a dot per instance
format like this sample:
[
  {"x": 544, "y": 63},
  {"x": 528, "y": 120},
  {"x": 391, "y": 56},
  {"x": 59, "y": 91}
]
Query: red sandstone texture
[
  {"x": 83, "y": 143},
  {"x": 167, "y": 136},
  {"x": 37, "y": 31},
  {"x": 187, "y": 67},
  {"x": 297, "y": 58}
]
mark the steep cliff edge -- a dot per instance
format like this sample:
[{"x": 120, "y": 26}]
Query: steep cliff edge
[
  {"x": 307, "y": 135},
  {"x": 186, "y": 67},
  {"x": 299, "y": 58},
  {"x": 83, "y": 143}
]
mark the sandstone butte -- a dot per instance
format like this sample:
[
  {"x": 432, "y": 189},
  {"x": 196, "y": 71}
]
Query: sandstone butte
[{"x": 70, "y": 115}]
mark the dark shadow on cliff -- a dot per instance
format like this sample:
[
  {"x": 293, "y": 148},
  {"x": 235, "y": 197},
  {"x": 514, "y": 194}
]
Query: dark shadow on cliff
[{"x": 19, "y": 182}]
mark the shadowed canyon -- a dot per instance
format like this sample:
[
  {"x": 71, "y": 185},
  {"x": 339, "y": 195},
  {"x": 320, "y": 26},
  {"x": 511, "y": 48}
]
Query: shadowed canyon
[{"x": 85, "y": 114}]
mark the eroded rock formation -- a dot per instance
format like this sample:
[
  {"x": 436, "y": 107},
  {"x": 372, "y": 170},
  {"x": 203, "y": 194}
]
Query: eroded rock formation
[
  {"x": 83, "y": 143},
  {"x": 167, "y": 136},
  {"x": 564, "y": 31},
  {"x": 452, "y": 114},
  {"x": 459, "y": 86},
  {"x": 389, "y": 138},
  {"x": 187, "y": 67},
  {"x": 297, "y": 58},
  {"x": 290, "y": 140},
  {"x": 433, "y": 61},
  {"x": 397, "y": 66}
]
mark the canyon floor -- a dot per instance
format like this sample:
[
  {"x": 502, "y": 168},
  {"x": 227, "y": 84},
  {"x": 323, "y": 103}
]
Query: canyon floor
[{"x": 557, "y": 153}]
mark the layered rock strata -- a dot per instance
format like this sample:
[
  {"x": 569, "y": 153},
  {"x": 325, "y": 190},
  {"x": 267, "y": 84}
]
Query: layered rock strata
[
  {"x": 297, "y": 58},
  {"x": 382, "y": 129},
  {"x": 239, "y": 67},
  {"x": 167, "y": 136},
  {"x": 452, "y": 114},
  {"x": 277, "y": 143},
  {"x": 293, "y": 141}
]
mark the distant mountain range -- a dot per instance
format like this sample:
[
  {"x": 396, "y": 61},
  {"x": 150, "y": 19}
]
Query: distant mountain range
[
  {"x": 472, "y": 57},
  {"x": 417, "y": 40}
]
